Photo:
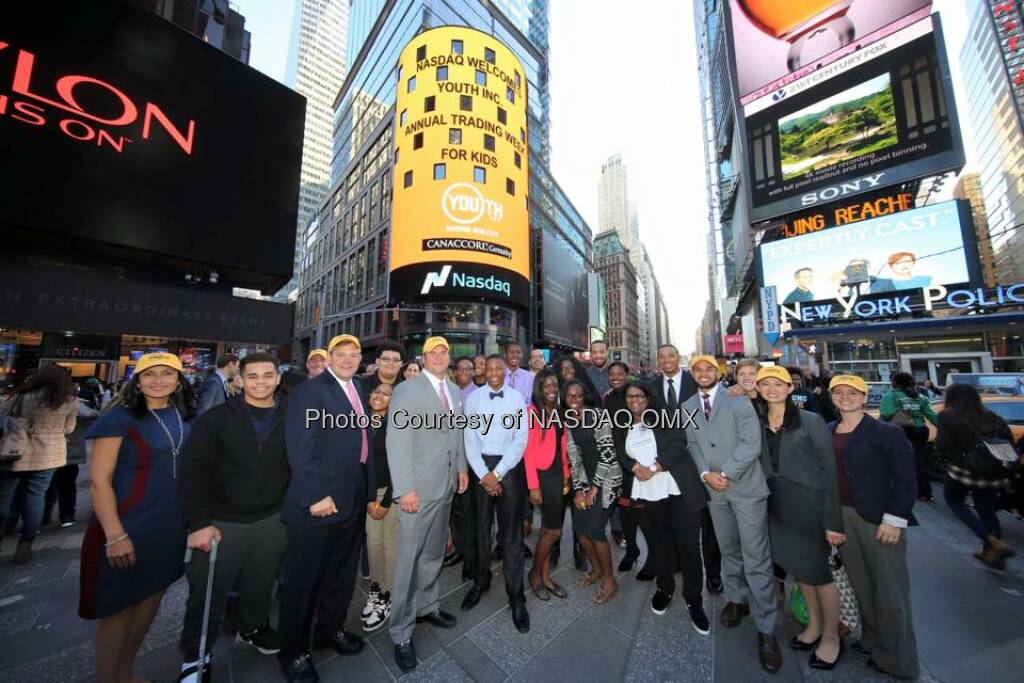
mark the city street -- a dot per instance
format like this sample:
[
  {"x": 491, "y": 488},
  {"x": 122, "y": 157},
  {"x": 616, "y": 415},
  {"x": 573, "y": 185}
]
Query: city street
[{"x": 967, "y": 620}]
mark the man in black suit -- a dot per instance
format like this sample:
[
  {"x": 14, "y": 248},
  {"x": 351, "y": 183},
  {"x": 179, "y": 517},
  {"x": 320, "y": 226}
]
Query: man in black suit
[
  {"x": 671, "y": 389},
  {"x": 214, "y": 390},
  {"x": 324, "y": 510}
]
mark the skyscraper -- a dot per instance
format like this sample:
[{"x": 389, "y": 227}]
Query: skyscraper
[
  {"x": 969, "y": 187},
  {"x": 999, "y": 142},
  {"x": 316, "y": 69},
  {"x": 612, "y": 262},
  {"x": 212, "y": 20}
]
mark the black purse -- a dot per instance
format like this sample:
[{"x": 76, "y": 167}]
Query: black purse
[{"x": 991, "y": 457}]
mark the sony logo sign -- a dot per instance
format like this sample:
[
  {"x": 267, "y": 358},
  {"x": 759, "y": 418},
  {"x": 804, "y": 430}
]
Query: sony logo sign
[{"x": 830, "y": 193}]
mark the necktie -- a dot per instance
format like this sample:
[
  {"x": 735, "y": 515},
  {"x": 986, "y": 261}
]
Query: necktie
[
  {"x": 673, "y": 400},
  {"x": 497, "y": 394},
  {"x": 444, "y": 399},
  {"x": 707, "y": 407},
  {"x": 358, "y": 407}
]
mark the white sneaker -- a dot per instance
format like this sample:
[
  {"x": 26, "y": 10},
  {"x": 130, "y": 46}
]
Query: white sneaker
[
  {"x": 372, "y": 598},
  {"x": 380, "y": 614}
]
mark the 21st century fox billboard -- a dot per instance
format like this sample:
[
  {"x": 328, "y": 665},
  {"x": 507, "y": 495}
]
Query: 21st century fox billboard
[
  {"x": 460, "y": 225},
  {"x": 878, "y": 112}
]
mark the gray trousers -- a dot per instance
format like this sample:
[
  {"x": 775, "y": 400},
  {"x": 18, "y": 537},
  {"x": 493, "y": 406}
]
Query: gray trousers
[
  {"x": 248, "y": 553},
  {"x": 879, "y": 576},
  {"x": 422, "y": 537},
  {"x": 741, "y": 525}
]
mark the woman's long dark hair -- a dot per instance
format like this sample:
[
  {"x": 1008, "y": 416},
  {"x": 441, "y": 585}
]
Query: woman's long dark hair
[
  {"x": 184, "y": 398},
  {"x": 54, "y": 382},
  {"x": 963, "y": 400},
  {"x": 642, "y": 387},
  {"x": 544, "y": 416},
  {"x": 589, "y": 390},
  {"x": 790, "y": 417},
  {"x": 405, "y": 366},
  {"x": 905, "y": 382}
]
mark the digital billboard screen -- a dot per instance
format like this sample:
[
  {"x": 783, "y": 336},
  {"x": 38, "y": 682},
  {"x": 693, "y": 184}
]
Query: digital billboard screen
[
  {"x": 780, "y": 41},
  {"x": 118, "y": 127},
  {"x": 460, "y": 227},
  {"x": 918, "y": 248},
  {"x": 566, "y": 301},
  {"x": 877, "y": 118}
]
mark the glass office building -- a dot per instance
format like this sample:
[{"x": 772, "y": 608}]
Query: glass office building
[{"x": 344, "y": 267}]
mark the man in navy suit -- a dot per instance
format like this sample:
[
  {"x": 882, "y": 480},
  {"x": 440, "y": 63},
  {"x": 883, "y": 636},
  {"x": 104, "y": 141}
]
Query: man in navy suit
[
  {"x": 324, "y": 510},
  {"x": 214, "y": 390}
]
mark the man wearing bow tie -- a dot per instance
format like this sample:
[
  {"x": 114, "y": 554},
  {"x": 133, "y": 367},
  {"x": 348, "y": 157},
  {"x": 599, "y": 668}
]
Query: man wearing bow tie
[{"x": 494, "y": 452}]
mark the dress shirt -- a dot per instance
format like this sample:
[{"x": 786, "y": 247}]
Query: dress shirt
[
  {"x": 464, "y": 393},
  {"x": 642, "y": 447},
  {"x": 508, "y": 443},
  {"x": 677, "y": 379},
  {"x": 522, "y": 381},
  {"x": 437, "y": 384},
  {"x": 223, "y": 383}
]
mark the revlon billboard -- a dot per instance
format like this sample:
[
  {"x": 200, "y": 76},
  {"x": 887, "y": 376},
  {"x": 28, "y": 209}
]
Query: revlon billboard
[{"x": 118, "y": 127}]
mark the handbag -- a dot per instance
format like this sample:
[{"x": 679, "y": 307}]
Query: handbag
[
  {"x": 991, "y": 458},
  {"x": 849, "y": 614},
  {"x": 901, "y": 418},
  {"x": 797, "y": 606},
  {"x": 15, "y": 443}
]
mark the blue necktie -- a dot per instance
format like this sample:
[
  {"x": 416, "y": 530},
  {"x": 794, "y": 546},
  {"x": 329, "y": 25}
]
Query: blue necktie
[{"x": 497, "y": 394}]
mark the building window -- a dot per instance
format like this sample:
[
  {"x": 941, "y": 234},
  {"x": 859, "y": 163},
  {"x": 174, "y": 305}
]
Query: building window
[
  {"x": 519, "y": 160},
  {"x": 454, "y": 136},
  {"x": 519, "y": 80},
  {"x": 502, "y": 116},
  {"x": 466, "y": 102},
  {"x": 510, "y": 95},
  {"x": 522, "y": 135},
  {"x": 417, "y": 140},
  {"x": 429, "y": 103},
  {"x": 407, "y": 179},
  {"x": 510, "y": 186},
  {"x": 399, "y": 73},
  {"x": 456, "y": 47},
  {"x": 489, "y": 55},
  {"x": 488, "y": 142},
  {"x": 481, "y": 77},
  {"x": 403, "y": 117},
  {"x": 396, "y": 154},
  {"x": 440, "y": 172},
  {"x": 442, "y": 73},
  {"x": 479, "y": 174},
  {"x": 421, "y": 53},
  {"x": 410, "y": 85}
]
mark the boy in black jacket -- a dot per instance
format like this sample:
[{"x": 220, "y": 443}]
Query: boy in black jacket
[{"x": 231, "y": 485}]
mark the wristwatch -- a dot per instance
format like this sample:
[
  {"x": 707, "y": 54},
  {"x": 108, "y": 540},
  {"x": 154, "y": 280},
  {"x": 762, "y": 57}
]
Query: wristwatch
[
  {"x": 653, "y": 468},
  {"x": 496, "y": 475}
]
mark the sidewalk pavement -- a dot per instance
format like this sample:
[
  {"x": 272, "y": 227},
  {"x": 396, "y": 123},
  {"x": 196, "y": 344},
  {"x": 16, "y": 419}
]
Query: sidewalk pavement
[{"x": 968, "y": 621}]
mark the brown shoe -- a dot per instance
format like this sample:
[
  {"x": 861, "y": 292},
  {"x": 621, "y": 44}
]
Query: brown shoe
[
  {"x": 23, "y": 553},
  {"x": 994, "y": 553},
  {"x": 768, "y": 652},
  {"x": 733, "y": 613}
]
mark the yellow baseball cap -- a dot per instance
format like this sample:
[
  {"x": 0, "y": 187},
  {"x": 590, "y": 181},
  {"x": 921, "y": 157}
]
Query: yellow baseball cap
[
  {"x": 433, "y": 342},
  {"x": 151, "y": 360},
  {"x": 776, "y": 371},
  {"x": 317, "y": 352},
  {"x": 342, "y": 339},
  {"x": 852, "y": 381},
  {"x": 710, "y": 360}
]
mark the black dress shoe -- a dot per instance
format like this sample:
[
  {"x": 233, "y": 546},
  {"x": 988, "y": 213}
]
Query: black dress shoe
[
  {"x": 627, "y": 563},
  {"x": 715, "y": 586},
  {"x": 797, "y": 644},
  {"x": 299, "y": 669},
  {"x": 452, "y": 560},
  {"x": 733, "y": 613},
  {"x": 819, "y": 663},
  {"x": 438, "y": 618},
  {"x": 467, "y": 574},
  {"x": 768, "y": 652},
  {"x": 496, "y": 554},
  {"x": 473, "y": 597},
  {"x": 520, "y": 617},
  {"x": 405, "y": 656},
  {"x": 343, "y": 642}
]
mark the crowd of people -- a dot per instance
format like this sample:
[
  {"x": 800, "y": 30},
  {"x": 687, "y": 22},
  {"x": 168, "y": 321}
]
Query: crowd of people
[{"x": 774, "y": 474}]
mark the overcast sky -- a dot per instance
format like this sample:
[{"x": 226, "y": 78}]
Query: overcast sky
[{"x": 624, "y": 80}]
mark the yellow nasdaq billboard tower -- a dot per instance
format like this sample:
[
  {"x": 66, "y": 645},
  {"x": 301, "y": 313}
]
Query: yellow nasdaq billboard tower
[{"x": 460, "y": 226}]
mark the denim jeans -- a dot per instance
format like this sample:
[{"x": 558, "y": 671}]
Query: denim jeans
[
  {"x": 36, "y": 484},
  {"x": 986, "y": 521}
]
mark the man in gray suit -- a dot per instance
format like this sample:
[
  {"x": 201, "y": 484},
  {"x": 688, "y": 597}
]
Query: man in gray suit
[
  {"x": 427, "y": 458},
  {"x": 727, "y": 449}
]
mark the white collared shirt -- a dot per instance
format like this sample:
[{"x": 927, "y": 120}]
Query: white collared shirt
[
  {"x": 496, "y": 438},
  {"x": 344, "y": 383},
  {"x": 712, "y": 393},
  {"x": 677, "y": 379},
  {"x": 437, "y": 384}
]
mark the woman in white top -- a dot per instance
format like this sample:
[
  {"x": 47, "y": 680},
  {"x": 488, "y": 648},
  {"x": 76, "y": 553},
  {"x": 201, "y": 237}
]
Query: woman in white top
[{"x": 666, "y": 479}]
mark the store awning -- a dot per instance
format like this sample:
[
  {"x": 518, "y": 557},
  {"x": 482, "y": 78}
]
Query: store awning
[{"x": 962, "y": 323}]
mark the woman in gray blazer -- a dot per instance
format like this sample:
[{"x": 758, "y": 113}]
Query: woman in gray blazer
[{"x": 804, "y": 518}]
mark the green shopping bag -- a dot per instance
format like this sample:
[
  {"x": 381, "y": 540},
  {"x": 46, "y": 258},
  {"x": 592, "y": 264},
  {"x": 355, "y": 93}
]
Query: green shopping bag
[{"x": 797, "y": 606}]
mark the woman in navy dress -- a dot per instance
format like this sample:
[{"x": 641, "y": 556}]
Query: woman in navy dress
[{"x": 134, "y": 546}]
